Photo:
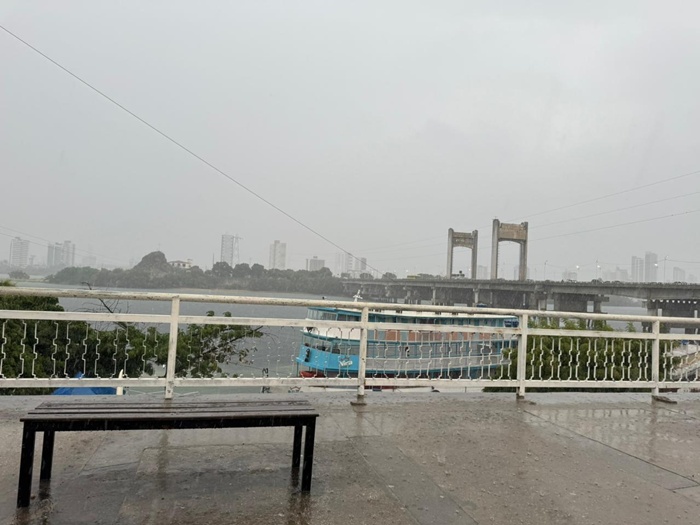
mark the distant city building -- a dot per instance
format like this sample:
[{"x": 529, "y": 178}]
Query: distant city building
[
  {"x": 69, "y": 253},
  {"x": 230, "y": 249},
  {"x": 314, "y": 264},
  {"x": 482, "y": 272},
  {"x": 363, "y": 264},
  {"x": 637, "y": 269},
  {"x": 569, "y": 276},
  {"x": 278, "y": 256},
  {"x": 678, "y": 275},
  {"x": 616, "y": 275},
  {"x": 19, "y": 252},
  {"x": 60, "y": 254},
  {"x": 183, "y": 265},
  {"x": 651, "y": 265},
  {"x": 339, "y": 266}
]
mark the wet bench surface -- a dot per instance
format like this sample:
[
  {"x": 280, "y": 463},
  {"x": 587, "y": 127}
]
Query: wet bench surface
[{"x": 93, "y": 415}]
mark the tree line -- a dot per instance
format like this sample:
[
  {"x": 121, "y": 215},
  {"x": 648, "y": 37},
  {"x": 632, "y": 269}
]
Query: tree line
[{"x": 154, "y": 271}]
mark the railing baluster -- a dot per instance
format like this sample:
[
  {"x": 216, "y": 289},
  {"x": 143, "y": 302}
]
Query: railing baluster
[
  {"x": 655, "y": 360},
  {"x": 522, "y": 355},
  {"x": 172, "y": 347},
  {"x": 362, "y": 368}
]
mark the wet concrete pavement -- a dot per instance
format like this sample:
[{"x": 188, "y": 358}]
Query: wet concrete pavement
[{"x": 428, "y": 458}]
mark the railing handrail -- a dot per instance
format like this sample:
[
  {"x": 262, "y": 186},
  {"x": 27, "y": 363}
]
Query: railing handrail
[
  {"x": 332, "y": 303},
  {"x": 175, "y": 319}
]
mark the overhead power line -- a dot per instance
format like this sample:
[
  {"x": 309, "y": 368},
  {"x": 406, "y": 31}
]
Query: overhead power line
[
  {"x": 616, "y": 210},
  {"x": 617, "y": 225},
  {"x": 614, "y": 194},
  {"x": 183, "y": 147}
]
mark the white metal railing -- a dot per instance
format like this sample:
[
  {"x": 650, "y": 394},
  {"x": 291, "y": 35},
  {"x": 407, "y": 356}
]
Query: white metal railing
[{"x": 176, "y": 348}]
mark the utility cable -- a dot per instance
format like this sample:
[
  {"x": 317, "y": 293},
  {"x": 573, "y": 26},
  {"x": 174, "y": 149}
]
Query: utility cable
[
  {"x": 616, "y": 225},
  {"x": 183, "y": 147},
  {"x": 614, "y": 194}
]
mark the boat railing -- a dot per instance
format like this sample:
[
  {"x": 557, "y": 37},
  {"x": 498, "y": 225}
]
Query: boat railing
[{"x": 176, "y": 343}]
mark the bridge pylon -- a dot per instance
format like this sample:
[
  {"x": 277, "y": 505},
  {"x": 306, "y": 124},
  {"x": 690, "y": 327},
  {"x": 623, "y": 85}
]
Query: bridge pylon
[
  {"x": 462, "y": 240},
  {"x": 514, "y": 233}
]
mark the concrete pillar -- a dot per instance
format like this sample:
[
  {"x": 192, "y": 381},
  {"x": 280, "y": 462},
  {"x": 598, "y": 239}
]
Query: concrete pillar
[
  {"x": 494, "y": 248},
  {"x": 466, "y": 240},
  {"x": 475, "y": 251},
  {"x": 450, "y": 252}
]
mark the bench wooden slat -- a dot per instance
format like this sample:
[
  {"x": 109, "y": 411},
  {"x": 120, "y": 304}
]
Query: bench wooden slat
[
  {"x": 215, "y": 408},
  {"x": 169, "y": 416},
  {"x": 116, "y": 415},
  {"x": 52, "y": 405},
  {"x": 133, "y": 411}
]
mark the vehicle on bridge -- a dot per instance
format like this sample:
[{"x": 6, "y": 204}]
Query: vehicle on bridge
[{"x": 413, "y": 351}]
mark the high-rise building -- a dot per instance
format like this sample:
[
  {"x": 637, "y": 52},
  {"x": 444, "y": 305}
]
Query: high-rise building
[
  {"x": 278, "y": 256},
  {"x": 349, "y": 265},
  {"x": 618, "y": 274},
  {"x": 651, "y": 265},
  {"x": 229, "y": 249},
  {"x": 19, "y": 252},
  {"x": 339, "y": 263},
  {"x": 637, "y": 269},
  {"x": 68, "y": 253},
  {"x": 60, "y": 254},
  {"x": 482, "y": 272},
  {"x": 314, "y": 264},
  {"x": 678, "y": 275}
]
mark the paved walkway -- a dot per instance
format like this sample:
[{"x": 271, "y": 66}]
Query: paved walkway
[{"x": 430, "y": 458}]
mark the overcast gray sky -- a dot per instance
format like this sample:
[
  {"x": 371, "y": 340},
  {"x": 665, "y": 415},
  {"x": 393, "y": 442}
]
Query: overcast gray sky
[{"x": 378, "y": 124}]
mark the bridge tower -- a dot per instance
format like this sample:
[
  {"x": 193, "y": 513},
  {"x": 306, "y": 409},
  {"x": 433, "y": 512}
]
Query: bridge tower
[
  {"x": 513, "y": 233},
  {"x": 465, "y": 240}
]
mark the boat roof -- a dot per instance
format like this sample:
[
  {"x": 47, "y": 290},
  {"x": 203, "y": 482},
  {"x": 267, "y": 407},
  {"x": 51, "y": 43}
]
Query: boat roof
[{"x": 414, "y": 313}]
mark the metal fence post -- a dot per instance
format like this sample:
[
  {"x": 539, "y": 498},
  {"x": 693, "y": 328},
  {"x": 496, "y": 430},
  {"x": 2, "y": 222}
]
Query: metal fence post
[
  {"x": 655, "y": 356},
  {"x": 362, "y": 368},
  {"x": 172, "y": 347},
  {"x": 522, "y": 356}
]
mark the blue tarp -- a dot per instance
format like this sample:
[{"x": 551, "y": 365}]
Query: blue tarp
[{"x": 84, "y": 390}]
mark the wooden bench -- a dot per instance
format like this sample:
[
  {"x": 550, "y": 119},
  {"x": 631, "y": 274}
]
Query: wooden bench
[{"x": 125, "y": 414}]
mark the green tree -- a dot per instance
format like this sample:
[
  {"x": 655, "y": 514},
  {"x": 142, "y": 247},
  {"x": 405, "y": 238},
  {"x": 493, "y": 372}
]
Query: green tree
[
  {"x": 257, "y": 270},
  {"x": 222, "y": 270},
  {"x": 241, "y": 270},
  {"x": 58, "y": 349},
  {"x": 574, "y": 357}
]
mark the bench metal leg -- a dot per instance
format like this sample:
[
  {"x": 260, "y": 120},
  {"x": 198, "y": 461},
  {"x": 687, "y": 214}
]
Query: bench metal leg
[
  {"x": 24, "y": 488},
  {"x": 296, "y": 454},
  {"x": 47, "y": 455},
  {"x": 308, "y": 456}
]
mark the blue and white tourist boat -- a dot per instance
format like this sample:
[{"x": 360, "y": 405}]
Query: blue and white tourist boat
[{"x": 411, "y": 352}]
